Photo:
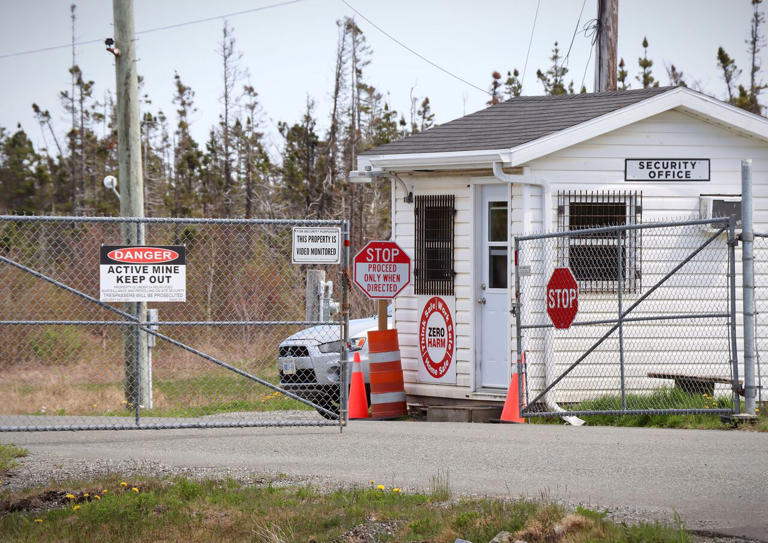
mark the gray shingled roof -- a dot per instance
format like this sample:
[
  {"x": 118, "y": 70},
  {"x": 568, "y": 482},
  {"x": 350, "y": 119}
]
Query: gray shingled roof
[{"x": 516, "y": 121}]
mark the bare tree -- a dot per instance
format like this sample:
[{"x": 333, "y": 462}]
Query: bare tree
[{"x": 230, "y": 60}]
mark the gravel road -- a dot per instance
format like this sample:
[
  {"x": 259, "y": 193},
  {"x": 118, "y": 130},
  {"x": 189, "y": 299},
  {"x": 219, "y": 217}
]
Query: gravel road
[{"x": 716, "y": 480}]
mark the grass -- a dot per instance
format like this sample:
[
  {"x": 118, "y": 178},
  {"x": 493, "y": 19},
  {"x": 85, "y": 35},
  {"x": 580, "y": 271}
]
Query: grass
[
  {"x": 662, "y": 399},
  {"x": 8, "y": 456},
  {"x": 188, "y": 392},
  {"x": 183, "y": 509}
]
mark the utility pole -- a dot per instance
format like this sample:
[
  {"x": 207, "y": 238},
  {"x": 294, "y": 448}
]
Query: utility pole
[
  {"x": 130, "y": 181},
  {"x": 607, "y": 37}
]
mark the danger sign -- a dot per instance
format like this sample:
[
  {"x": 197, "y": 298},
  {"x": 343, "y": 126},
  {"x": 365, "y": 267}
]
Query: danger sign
[
  {"x": 437, "y": 339},
  {"x": 562, "y": 298},
  {"x": 382, "y": 269},
  {"x": 142, "y": 274}
]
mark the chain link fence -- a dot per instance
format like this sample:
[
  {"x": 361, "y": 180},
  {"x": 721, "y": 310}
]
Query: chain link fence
[
  {"x": 652, "y": 330},
  {"x": 240, "y": 351},
  {"x": 761, "y": 314}
]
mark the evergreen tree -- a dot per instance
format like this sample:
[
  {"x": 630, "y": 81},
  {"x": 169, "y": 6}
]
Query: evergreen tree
[
  {"x": 755, "y": 43},
  {"x": 425, "y": 115},
  {"x": 645, "y": 77},
  {"x": 621, "y": 76},
  {"x": 553, "y": 79},
  {"x": 513, "y": 86},
  {"x": 675, "y": 76},
  {"x": 495, "y": 89},
  {"x": 300, "y": 186},
  {"x": 25, "y": 185},
  {"x": 730, "y": 72},
  {"x": 186, "y": 155}
]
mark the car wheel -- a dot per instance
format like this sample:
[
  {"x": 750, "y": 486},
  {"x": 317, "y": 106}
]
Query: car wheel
[{"x": 328, "y": 406}]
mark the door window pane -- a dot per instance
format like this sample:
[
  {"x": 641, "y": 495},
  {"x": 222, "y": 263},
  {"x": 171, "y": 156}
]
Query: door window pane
[
  {"x": 497, "y": 267},
  {"x": 497, "y": 225}
]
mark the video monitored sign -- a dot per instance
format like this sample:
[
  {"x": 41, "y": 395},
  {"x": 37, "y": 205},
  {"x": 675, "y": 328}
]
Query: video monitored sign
[
  {"x": 316, "y": 245},
  {"x": 137, "y": 273}
]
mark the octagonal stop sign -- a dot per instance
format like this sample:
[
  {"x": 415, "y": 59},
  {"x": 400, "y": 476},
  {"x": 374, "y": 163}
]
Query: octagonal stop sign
[
  {"x": 382, "y": 269},
  {"x": 562, "y": 298}
]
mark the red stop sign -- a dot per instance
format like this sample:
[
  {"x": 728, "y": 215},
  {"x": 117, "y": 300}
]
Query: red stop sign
[
  {"x": 382, "y": 269},
  {"x": 562, "y": 297}
]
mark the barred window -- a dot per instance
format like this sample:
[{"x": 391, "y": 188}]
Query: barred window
[
  {"x": 433, "y": 272},
  {"x": 594, "y": 258}
]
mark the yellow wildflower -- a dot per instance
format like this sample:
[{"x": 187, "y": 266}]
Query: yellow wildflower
[
  {"x": 123, "y": 483},
  {"x": 38, "y": 520},
  {"x": 70, "y": 496},
  {"x": 85, "y": 494},
  {"x": 104, "y": 491},
  {"x": 395, "y": 489},
  {"x": 75, "y": 508},
  {"x": 136, "y": 490},
  {"x": 372, "y": 482},
  {"x": 380, "y": 487},
  {"x": 96, "y": 497}
]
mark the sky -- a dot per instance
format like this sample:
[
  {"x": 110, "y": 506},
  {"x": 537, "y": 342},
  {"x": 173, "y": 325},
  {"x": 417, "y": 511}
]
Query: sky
[{"x": 289, "y": 50}]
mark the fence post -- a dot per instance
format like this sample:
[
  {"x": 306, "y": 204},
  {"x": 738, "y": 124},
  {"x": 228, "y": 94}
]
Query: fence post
[
  {"x": 748, "y": 285},
  {"x": 732, "y": 310},
  {"x": 619, "y": 289},
  {"x": 344, "y": 331},
  {"x": 518, "y": 333}
]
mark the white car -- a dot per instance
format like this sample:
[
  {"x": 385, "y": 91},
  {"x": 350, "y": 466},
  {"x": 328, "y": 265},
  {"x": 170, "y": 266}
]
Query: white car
[{"x": 308, "y": 361}]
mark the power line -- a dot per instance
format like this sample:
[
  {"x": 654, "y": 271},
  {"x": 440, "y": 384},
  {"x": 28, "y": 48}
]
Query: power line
[
  {"x": 530, "y": 41},
  {"x": 590, "y": 31},
  {"x": 422, "y": 57},
  {"x": 575, "y": 30},
  {"x": 157, "y": 29}
]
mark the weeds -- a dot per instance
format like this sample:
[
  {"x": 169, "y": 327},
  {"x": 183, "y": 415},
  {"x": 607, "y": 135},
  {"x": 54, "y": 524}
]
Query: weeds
[
  {"x": 661, "y": 399},
  {"x": 8, "y": 455},
  {"x": 440, "y": 486},
  {"x": 181, "y": 509}
]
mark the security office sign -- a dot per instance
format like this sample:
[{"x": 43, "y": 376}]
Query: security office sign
[
  {"x": 437, "y": 339},
  {"x": 316, "y": 245},
  {"x": 666, "y": 169},
  {"x": 132, "y": 273}
]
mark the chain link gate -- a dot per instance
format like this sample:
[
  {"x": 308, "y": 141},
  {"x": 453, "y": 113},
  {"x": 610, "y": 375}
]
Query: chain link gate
[
  {"x": 72, "y": 362},
  {"x": 655, "y": 331}
]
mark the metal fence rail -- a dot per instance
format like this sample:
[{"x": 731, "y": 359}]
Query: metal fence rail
[
  {"x": 657, "y": 337},
  {"x": 72, "y": 362}
]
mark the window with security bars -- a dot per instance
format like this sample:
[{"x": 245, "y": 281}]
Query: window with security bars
[
  {"x": 433, "y": 266},
  {"x": 596, "y": 259}
]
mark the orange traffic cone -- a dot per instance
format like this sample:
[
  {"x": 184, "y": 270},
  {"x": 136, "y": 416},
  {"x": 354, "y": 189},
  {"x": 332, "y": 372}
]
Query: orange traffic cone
[
  {"x": 358, "y": 406},
  {"x": 511, "y": 411}
]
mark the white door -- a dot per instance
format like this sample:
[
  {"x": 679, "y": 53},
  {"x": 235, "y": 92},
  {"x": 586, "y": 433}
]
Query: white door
[{"x": 493, "y": 291}]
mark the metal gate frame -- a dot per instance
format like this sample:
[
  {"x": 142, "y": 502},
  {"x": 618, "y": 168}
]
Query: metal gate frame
[
  {"x": 147, "y": 328},
  {"x": 529, "y": 408}
]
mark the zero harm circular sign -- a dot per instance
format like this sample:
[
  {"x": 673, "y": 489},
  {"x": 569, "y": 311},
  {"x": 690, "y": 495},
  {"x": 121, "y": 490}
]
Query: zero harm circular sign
[{"x": 437, "y": 337}]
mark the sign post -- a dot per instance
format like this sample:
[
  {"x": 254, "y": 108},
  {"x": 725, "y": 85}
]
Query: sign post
[
  {"x": 562, "y": 298},
  {"x": 382, "y": 270}
]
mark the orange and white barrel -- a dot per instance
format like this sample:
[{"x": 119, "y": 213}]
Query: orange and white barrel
[{"x": 386, "y": 375}]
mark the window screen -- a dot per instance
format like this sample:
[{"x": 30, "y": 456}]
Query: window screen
[
  {"x": 595, "y": 259},
  {"x": 433, "y": 273}
]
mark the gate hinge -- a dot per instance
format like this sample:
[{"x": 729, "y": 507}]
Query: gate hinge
[
  {"x": 734, "y": 242},
  {"x": 513, "y": 311}
]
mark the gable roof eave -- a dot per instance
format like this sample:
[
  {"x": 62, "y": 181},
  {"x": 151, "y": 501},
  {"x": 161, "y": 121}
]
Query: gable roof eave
[{"x": 680, "y": 98}]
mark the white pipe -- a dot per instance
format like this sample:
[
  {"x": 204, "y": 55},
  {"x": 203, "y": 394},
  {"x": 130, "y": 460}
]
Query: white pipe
[{"x": 546, "y": 202}]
